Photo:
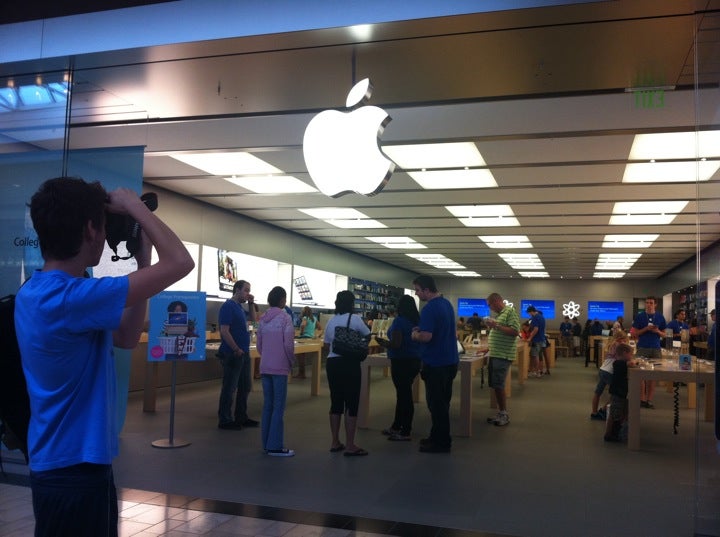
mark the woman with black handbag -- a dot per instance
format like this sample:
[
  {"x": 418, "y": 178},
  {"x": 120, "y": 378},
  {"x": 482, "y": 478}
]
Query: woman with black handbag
[{"x": 343, "y": 374}]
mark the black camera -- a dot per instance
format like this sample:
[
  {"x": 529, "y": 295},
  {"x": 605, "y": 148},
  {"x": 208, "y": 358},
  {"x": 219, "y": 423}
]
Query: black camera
[{"x": 123, "y": 228}]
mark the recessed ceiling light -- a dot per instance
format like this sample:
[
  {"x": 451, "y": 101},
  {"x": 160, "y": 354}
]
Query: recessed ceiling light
[
  {"x": 534, "y": 274},
  {"x": 433, "y": 156},
  {"x": 442, "y": 179},
  {"x": 616, "y": 261},
  {"x": 629, "y": 241},
  {"x": 437, "y": 261},
  {"x": 506, "y": 241},
  {"x": 522, "y": 261},
  {"x": 484, "y": 215},
  {"x": 465, "y": 273},
  {"x": 398, "y": 243},
  {"x": 343, "y": 217},
  {"x": 608, "y": 274},
  {"x": 235, "y": 163},
  {"x": 272, "y": 184},
  {"x": 673, "y": 145},
  {"x": 633, "y": 213}
]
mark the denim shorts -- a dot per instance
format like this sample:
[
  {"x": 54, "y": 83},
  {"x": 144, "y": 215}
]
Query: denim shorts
[
  {"x": 604, "y": 379},
  {"x": 497, "y": 372}
]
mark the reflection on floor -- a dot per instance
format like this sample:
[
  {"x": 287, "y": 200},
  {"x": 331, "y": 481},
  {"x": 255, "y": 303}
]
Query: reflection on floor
[{"x": 547, "y": 473}]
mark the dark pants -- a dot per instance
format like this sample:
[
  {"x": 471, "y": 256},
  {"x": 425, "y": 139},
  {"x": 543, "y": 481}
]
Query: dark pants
[
  {"x": 75, "y": 501},
  {"x": 344, "y": 383},
  {"x": 237, "y": 377},
  {"x": 404, "y": 371},
  {"x": 438, "y": 393}
]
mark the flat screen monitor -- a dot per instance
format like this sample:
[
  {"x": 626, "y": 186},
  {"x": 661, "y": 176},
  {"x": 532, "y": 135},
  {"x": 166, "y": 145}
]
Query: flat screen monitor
[
  {"x": 546, "y": 307},
  {"x": 605, "y": 311},
  {"x": 467, "y": 306}
]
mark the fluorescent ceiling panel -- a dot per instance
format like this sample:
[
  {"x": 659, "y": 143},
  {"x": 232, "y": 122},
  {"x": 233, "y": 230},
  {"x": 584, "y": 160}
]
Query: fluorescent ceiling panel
[
  {"x": 631, "y": 213},
  {"x": 522, "y": 261},
  {"x": 465, "y": 273},
  {"x": 398, "y": 243},
  {"x": 673, "y": 145},
  {"x": 236, "y": 163},
  {"x": 534, "y": 274},
  {"x": 484, "y": 215},
  {"x": 343, "y": 217},
  {"x": 608, "y": 274},
  {"x": 272, "y": 184},
  {"x": 616, "y": 261},
  {"x": 506, "y": 241},
  {"x": 443, "y": 179},
  {"x": 437, "y": 261},
  {"x": 629, "y": 241},
  {"x": 433, "y": 156}
]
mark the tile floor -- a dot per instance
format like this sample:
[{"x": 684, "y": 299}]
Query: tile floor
[{"x": 547, "y": 473}]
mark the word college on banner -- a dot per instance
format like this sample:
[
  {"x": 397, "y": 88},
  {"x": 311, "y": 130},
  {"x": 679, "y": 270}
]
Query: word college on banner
[{"x": 177, "y": 326}]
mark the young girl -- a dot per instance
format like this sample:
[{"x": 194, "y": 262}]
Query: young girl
[
  {"x": 605, "y": 373},
  {"x": 277, "y": 353}
]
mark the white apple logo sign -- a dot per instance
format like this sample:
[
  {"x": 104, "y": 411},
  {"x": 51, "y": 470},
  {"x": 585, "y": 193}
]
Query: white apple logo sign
[{"x": 342, "y": 151}]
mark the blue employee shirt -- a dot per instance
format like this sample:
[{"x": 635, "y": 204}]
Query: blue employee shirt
[
  {"x": 649, "y": 340},
  {"x": 438, "y": 318},
  {"x": 232, "y": 314},
  {"x": 64, "y": 326},
  {"x": 408, "y": 347},
  {"x": 676, "y": 326},
  {"x": 566, "y": 329},
  {"x": 538, "y": 321}
]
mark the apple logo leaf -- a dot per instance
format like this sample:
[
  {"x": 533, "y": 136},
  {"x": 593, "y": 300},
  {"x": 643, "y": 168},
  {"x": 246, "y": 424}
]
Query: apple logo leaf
[{"x": 342, "y": 150}]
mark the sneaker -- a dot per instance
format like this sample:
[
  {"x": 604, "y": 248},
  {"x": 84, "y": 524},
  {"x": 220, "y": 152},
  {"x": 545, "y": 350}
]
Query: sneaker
[
  {"x": 399, "y": 437},
  {"x": 502, "y": 420},
  {"x": 434, "y": 448},
  {"x": 281, "y": 452},
  {"x": 597, "y": 416},
  {"x": 492, "y": 419},
  {"x": 390, "y": 431}
]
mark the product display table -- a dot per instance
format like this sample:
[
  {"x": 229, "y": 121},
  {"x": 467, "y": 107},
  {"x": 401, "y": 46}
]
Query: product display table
[{"x": 668, "y": 370}]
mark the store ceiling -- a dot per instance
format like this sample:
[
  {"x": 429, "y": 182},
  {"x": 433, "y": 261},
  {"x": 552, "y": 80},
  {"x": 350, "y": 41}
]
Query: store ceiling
[{"x": 540, "y": 92}]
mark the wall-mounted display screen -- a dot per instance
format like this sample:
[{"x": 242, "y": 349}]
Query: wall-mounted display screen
[
  {"x": 467, "y": 306},
  {"x": 546, "y": 307},
  {"x": 605, "y": 311}
]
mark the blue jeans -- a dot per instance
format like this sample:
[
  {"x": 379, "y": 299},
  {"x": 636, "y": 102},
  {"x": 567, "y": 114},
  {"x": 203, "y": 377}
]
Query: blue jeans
[
  {"x": 273, "y": 413},
  {"x": 77, "y": 501},
  {"x": 236, "y": 377},
  {"x": 438, "y": 393}
]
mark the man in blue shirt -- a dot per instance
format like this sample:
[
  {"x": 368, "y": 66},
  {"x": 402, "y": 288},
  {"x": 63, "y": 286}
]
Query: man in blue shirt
[
  {"x": 649, "y": 326},
  {"x": 566, "y": 334},
  {"x": 440, "y": 361},
  {"x": 234, "y": 354},
  {"x": 537, "y": 341},
  {"x": 67, "y": 325},
  {"x": 678, "y": 324}
]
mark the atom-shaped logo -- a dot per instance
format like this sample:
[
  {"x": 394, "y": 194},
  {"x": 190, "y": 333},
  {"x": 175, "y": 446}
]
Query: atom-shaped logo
[
  {"x": 508, "y": 303},
  {"x": 571, "y": 310}
]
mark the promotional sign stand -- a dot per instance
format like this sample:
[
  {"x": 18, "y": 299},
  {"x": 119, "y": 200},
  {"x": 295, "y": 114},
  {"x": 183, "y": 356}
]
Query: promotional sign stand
[{"x": 171, "y": 441}]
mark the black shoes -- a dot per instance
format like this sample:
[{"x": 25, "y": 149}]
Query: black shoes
[{"x": 250, "y": 423}]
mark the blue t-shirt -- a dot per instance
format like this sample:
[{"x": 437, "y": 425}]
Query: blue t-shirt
[
  {"x": 64, "y": 326},
  {"x": 232, "y": 314},
  {"x": 676, "y": 326},
  {"x": 566, "y": 329},
  {"x": 538, "y": 321},
  {"x": 438, "y": 318},
  {"x": 649, "y": 340},
  {"x": 408, "y": 348}
]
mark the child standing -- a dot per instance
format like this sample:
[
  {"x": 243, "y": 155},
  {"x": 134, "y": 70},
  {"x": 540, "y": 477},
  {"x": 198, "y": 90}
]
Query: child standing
[
  {"x": 276, "y": 346},
  {"x": 605, "y": 372},
  {"x": 618, "y": 392}
]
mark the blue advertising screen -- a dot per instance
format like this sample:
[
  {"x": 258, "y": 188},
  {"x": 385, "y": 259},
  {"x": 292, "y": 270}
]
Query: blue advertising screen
[
  {"x": 546, "y": 307},
  {"x": 605, "y": 311},
  {"x": 467, "y": 306}
]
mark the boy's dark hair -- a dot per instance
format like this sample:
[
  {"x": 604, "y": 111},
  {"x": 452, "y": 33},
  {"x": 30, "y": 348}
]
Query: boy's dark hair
[
  {"x": 425, "y": 282},
  {"x": 60, "y": 210},
  {"x": 238, "y": 285},
  {"x": 276, "y": 296},
  {"x": 622, "y": 349},
  {"x": 344, "y": 302}
]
